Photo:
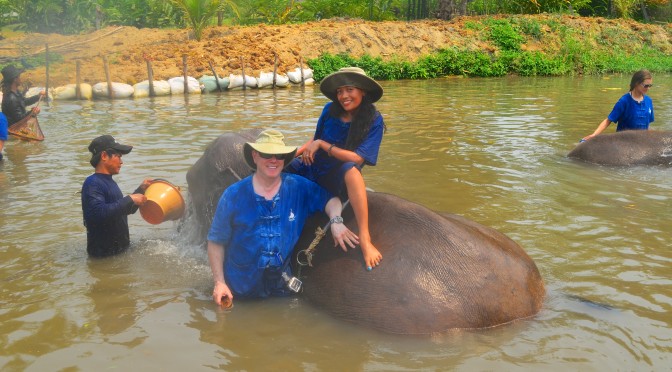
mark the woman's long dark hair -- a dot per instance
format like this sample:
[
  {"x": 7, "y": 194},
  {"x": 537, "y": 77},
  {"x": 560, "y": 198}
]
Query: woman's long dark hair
[{"x": 361, "y": 122}]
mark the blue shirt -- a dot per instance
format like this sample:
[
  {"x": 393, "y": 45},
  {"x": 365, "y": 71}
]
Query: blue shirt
[
  {"x": 3, "y": 127},
  {"x": 333, "y": 130},
  {"x": 105, "y": 211},
  {"x": 630, "y": 114},
  {"x": 259, "y": 233}
]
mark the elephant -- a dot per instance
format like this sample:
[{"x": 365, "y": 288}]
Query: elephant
[
  {"x": 439, "y": 271},
  {"x": 630, "y": 147}
]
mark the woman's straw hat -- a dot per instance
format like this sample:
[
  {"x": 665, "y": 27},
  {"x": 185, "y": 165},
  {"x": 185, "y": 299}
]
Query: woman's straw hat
[
  {"x": 350, "y": 76},
  {"x": 269, "y": 141}
]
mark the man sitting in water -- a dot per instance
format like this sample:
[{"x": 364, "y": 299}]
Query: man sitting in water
[{"x": 259, "y": 220}]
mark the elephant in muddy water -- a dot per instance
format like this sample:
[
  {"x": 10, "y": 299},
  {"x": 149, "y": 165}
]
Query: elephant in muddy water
[
  {"x": 439, "y": 272},
  {"x": 630, "y": 147}
]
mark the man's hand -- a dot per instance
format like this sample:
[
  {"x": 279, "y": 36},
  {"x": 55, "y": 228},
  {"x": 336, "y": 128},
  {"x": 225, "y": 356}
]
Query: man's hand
[
  {"x": 138, "y": 199},
  {"x": 145, "y": 184},
  {"x": 222, "y": 295},
  {"x": 343, "y": 236}
]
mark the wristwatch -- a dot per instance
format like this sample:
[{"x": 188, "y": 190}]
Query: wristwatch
[{"x": 337, "y": 219}]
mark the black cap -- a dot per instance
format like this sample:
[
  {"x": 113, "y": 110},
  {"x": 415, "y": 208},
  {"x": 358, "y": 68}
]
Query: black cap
[
  {"x": 105, "y": 142},
  {"x": 9, "y": 73}
]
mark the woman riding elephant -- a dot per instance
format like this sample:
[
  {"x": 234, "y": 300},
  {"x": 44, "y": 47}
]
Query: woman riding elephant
[{"x": 348, "y": 136}]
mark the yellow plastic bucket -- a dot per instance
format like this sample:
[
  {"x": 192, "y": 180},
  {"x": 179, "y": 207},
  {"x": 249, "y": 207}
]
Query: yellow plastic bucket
[{"x": 164, "y": 202}]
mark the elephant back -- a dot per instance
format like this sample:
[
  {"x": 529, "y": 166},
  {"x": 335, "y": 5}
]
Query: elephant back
[
  {"x": 630, "y": 147},
  {"x": 438, "y": 273}
]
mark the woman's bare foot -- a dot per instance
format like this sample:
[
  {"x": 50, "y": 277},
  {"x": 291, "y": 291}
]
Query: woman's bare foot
[{"x": 372, "y": 256}]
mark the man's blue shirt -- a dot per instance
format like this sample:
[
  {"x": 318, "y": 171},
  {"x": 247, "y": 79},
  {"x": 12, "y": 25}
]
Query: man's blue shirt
[
  {"x": 105, "y": 211},
  {"x": 257, "y": 233}
]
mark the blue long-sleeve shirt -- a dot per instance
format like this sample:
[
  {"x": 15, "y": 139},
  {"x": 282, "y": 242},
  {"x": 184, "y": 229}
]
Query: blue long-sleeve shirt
[{"x": 105, "y": 211}]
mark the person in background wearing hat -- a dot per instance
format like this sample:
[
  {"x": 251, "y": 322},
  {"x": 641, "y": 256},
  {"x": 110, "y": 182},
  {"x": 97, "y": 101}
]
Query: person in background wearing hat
[
  {"x": 259, "y": 220},
  {"x": 348, "y": 136},
  {"x": 104, "y": 207},
  {"x": 13, "y": 101}
]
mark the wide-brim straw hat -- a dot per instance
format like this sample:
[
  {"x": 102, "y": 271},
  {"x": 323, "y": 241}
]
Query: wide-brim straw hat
[
  {"x": 350, "y": 76},
  {"x": 269, "y": 141}
]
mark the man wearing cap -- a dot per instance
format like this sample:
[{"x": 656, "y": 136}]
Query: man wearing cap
[
  {"x": 104, "y": 207},
  {"x": 13, "y": 101},
  {"x": 259, "y": 220}
]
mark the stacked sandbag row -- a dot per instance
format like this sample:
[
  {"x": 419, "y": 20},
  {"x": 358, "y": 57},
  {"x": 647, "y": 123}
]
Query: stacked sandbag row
[{"x": 205, "y": 84}]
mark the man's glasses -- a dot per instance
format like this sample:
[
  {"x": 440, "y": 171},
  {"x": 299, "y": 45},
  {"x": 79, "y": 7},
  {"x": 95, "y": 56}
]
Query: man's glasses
[
  {"x": 277, "y": 156},
  {"x": 647, "y": 85}
]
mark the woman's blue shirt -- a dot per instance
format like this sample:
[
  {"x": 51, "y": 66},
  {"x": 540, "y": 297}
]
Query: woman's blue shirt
[{"x": 630, "y": 114}]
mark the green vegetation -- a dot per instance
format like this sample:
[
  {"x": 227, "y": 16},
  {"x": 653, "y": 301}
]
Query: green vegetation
[
  {"x": 573, "y": 52},
  {"x": 75, "y": 16}
]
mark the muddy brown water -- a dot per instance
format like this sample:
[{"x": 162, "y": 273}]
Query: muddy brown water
[{"x": 492, "y": 150}]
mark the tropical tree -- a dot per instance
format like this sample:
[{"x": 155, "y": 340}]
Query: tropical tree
[{"x": 199, "y": 13}]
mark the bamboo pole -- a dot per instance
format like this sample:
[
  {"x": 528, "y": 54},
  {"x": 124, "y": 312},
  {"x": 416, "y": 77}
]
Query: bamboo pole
[
  {"x": 242, "y": 66},
  {"x": 78, "y": 80},
  {"x": 150, "y": 77},
  {"x": 275, "y": 68},
  {"x": 219, "y": 87},
  {"x": 303, "y": 82},
  {"x": 46, "y": 63},
  {"x": 110, "y": 95},
  {"x": 184, "y": 73}
]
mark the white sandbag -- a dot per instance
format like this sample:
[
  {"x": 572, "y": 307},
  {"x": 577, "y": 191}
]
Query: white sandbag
[
  {"x": 236, "y": 81},
  {"x": 295, "y": 76},
  {"x": 33, "y": 91},
  {"x": 309, "y": 81},
  {"x": 210, "y": 84},
  {"x": 68, "y": 91},
  {"x": 265, "y": 79},
  {"x": 177, "y": 85},
  {"x": 161, "y": 88},
  {"x": 119, "y": 90}
]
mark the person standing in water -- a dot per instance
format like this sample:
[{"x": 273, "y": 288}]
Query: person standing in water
[
  {"x": 104, "y": 206},
  {"x": 634, "y": 110},
  {"x": 13, "y": 101},
  {"x": 348, "y": 136}
]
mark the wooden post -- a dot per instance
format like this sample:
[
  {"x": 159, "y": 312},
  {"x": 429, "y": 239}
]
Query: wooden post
[
  {"x": 150, "y": 77},
  {"x": 303, "y": 82},
  {"x": 184, "y": 73},
  {"x": 275, "y": 68},
  {"x": 242, "y": 66},
  {"x": 46, "y": 63},
  {"x": 216, "y": 77},
  {"x": 78, "y": 80},
  {"x": 110, "y": 95}
]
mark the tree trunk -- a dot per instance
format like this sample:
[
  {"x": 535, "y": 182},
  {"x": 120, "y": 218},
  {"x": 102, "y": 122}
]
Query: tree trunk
[
  {"x": 645, "y": 13},
  {"x": 448, "y": 9}
]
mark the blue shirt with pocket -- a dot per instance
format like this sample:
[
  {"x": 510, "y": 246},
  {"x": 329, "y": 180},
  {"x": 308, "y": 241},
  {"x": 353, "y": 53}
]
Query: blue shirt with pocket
[{"x": 259, "y": 234}]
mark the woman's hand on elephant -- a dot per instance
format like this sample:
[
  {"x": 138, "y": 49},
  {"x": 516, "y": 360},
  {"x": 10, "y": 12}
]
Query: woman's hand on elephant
[
  {"x": 222, "y": 295},
  {"x": 343, "y": 236}
]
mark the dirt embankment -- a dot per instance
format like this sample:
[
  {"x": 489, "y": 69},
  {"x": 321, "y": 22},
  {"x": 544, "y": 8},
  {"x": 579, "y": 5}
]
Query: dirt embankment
[{"x": 227, "y": 48}]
